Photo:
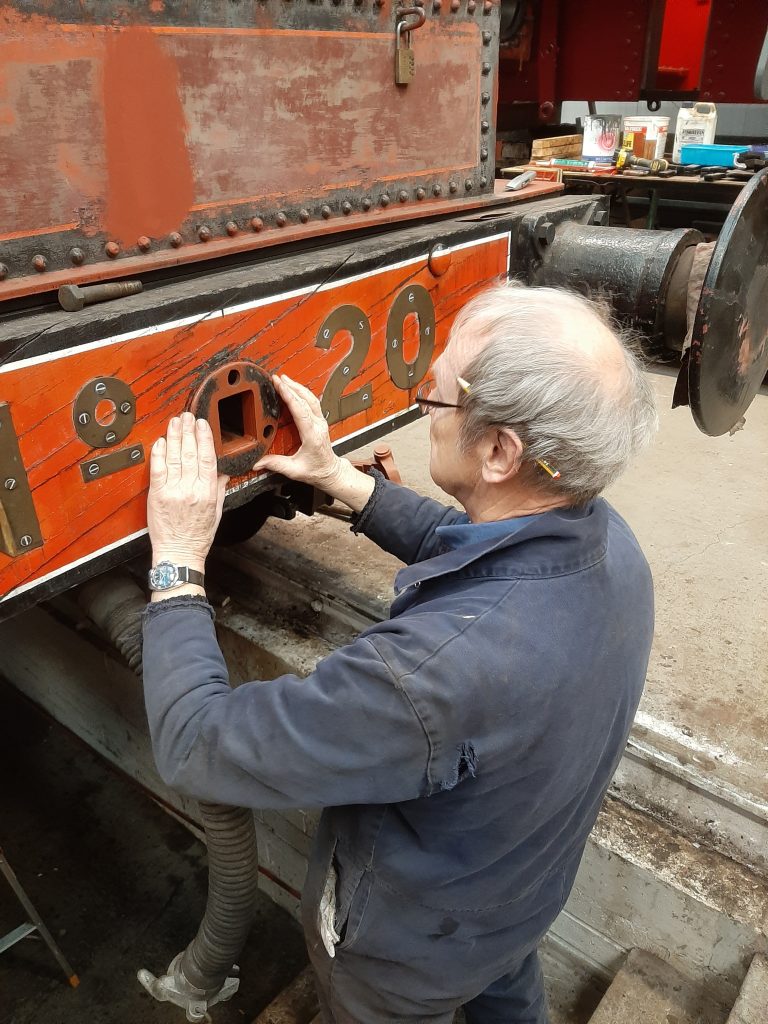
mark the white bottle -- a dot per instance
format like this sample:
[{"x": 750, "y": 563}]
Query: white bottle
[{"x": 696, "y": 125}]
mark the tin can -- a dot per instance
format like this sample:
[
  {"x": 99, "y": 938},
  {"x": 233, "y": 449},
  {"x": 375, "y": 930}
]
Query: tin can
[{"x": 602, "y": 133}]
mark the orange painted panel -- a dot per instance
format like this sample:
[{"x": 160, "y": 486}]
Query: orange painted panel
[{"x": 164, "y": 367}]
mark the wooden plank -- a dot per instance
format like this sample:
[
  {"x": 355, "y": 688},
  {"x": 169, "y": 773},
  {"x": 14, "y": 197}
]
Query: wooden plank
[{"x": 154, "y": 370}]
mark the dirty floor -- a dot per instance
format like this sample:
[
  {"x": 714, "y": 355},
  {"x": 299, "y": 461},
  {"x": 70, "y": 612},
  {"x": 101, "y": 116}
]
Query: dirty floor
[{"x": 120, "y": 884}]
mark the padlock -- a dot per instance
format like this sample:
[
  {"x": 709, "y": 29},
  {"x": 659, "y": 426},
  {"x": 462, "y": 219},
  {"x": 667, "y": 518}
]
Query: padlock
[{"x": 405, "y": 59}]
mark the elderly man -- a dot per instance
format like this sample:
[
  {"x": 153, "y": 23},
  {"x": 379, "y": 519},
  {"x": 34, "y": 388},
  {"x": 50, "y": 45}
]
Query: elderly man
[{"x": 461, "y": 749}]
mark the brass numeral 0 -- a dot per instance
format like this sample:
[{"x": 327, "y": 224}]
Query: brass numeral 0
[{"x": 412, "y": 299}]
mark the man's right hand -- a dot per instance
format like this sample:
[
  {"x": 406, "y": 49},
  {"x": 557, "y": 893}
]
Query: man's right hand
[{"x": 315, "y": 462}]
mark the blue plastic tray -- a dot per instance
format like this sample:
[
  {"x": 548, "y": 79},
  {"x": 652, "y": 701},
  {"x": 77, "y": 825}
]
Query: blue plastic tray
[{"x": 714, "y": 155}]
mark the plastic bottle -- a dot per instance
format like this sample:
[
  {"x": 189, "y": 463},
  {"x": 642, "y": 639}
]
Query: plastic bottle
[{"x": 696, "y": 125}]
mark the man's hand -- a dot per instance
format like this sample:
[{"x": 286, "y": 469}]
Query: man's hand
[
  {"x": 186, "y": 495},
  {"x": 315, "y": 462}
]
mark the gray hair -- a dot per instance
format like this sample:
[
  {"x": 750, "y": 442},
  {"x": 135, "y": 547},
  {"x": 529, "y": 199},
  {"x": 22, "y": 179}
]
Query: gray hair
[{"x": 534, "y": 377}]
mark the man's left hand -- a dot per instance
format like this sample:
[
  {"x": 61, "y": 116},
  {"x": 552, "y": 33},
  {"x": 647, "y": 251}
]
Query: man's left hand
[{"x": 186, "y": 494}]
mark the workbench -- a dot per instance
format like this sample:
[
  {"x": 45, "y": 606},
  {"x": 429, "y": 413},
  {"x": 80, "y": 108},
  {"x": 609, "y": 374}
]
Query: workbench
[{"x": 717, "y": 194}]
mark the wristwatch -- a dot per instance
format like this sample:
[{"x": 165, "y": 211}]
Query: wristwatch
[{"x": 167, "y": 576}]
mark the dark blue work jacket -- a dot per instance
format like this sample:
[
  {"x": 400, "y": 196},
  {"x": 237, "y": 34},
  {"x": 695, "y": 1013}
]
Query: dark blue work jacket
[{"x": 462, "y": 747}]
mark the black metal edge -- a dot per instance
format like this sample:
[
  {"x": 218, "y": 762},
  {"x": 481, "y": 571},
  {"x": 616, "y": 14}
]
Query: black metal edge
[
  {"x": 709, "y": 289},
  {"x": 39, "y": 333}
]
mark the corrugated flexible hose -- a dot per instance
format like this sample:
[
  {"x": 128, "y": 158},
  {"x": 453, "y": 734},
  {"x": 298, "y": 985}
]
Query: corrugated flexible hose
[{"x": 115, "y": 603}]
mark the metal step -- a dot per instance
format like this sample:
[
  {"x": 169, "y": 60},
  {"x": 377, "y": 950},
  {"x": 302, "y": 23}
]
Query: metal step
[
  {"x": 648, "y": 991},
  {"x": 751, "y": 1007}
]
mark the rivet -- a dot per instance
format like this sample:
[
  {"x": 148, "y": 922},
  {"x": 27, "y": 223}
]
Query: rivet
[
  {"x": 471, "y": 7},
  {"x": 101, "y": 388},
  {"x": 303, "y": 216},
  {"x": 144, "y": 243},
  {"x": 367, "y": 204},
  {"x": 437, "y": 190},
  {"x": 204, "y": 234},
  {"x": 84, "y": 419},
  {"x": 125, "y": 407},
  {"x": 484, "y": 153},
  {"x": 3, "y": 271},
  {"x": 455, "y": 5},
  {"x": 39, "y": 263},
  {"x": 483, "y": 182},
  {"x": 436, "y": 5},
  {"x": 402, "y": 195},
  {"x": 25, "y": 541},
  {"x": 384, "y": 200},
  {"x": 112, "y": 249},
  {"x": 485, "y": 99},
  {"x": 10, "y": 484},
  {"x": 93, "y": 469},
  {"x": 439, "y": 261},
  {"x": 484, "y": 127},
  {"x": 468, "y": 184},
  {"x": 487, "y": 7},
  {"x": 452, "y": 187},
  {"x": 487, "y": 37},
  {"x": 486, "y": 69},
  {"x": 420, "y": 193},
  {"x": 281, "y": 220},
  {"x": 231, "y": 228},
  {"x": 77, "y": 256},
  {"x": 345, "y": 371},
  {"x": 325, "y": 211},
  {"x": 136, "y": 454},
  {"x": 111, "y": 437},
  {"x": 257, "y": 223},
  {"x": 346, "y": 208},
  {"x": 175, "y": 239}
]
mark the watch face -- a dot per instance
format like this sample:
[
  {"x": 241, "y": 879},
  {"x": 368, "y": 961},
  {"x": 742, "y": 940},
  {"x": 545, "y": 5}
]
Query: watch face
[{"x": 163, "y": 576}]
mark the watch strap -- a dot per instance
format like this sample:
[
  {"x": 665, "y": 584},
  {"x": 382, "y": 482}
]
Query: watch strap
[{"x": 187, "y": 575}]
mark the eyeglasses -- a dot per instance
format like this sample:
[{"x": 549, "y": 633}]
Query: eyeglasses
[{"x": 425, "y": 403}]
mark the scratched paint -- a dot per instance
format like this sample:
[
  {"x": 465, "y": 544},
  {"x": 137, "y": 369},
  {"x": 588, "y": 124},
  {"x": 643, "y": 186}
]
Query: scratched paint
[{"x": 165, "y": 367}]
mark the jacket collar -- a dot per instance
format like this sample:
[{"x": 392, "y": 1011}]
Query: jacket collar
[{"x": 555, "y": 543}]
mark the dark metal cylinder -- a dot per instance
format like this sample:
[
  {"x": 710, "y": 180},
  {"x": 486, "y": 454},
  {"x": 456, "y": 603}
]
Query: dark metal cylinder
[{"x": 630, "y": 267}]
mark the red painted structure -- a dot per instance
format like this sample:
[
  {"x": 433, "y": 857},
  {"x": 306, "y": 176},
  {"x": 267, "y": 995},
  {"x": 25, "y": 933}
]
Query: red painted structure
[{"x": 637, "y": 50}]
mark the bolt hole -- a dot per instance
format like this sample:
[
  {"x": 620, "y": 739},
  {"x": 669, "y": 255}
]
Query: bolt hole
[
  {"x": 233, "y": 376},
  {"x": 269, "y": 430},
  {"x": 105, "y": 412}
]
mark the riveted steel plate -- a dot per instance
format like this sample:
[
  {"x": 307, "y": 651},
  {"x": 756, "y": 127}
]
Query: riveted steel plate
[
  {"x": 160, "y": 156},
  {"x": 729, "y": 350}
]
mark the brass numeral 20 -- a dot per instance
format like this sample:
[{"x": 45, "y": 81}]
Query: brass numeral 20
[{"x": 351, "y": 319}]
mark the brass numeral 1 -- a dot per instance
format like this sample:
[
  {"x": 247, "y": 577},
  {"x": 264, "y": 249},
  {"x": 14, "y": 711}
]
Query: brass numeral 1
[{"x": 19, "y": 525}]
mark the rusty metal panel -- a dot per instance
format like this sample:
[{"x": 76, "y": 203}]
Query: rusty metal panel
[{"x": 138, "y": 135}]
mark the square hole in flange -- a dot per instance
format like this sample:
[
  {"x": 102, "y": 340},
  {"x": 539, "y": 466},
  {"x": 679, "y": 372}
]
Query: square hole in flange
[{"x": 237, "y": 418}]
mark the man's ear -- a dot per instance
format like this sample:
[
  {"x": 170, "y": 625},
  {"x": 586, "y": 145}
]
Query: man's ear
[{"x": 503, "y": 455}]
